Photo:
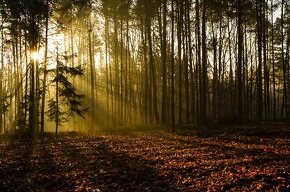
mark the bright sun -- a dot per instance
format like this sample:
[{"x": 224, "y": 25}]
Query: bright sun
[{"x": 35, "y": 55}]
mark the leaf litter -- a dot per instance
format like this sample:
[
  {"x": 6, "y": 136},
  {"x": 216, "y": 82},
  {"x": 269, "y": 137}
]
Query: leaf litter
[{"x": 141, "y": 161}]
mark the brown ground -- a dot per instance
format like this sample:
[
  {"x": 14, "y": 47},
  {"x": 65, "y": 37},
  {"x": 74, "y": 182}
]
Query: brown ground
[{"x": 214, "y": 160}]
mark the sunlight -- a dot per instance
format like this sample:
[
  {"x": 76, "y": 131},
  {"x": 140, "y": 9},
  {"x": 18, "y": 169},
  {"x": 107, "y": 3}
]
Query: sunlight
[
  {"x": 34, "y": 55},
  {"x": 190, "y": 95},
  {"x": 98, "y": 61}
]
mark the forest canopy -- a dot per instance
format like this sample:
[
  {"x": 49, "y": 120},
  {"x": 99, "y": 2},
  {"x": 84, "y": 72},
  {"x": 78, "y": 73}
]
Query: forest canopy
[{"x": 91, "y": 64}]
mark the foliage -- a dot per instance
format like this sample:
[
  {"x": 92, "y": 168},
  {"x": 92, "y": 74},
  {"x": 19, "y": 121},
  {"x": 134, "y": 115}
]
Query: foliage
[
  {"x": 70, "y": 103},
  {"x": 55, "y": 114},
  {"x": 21, "y": 121},
  {"x": 4, "y": 103},
  {"x": 33, "y": 10}
]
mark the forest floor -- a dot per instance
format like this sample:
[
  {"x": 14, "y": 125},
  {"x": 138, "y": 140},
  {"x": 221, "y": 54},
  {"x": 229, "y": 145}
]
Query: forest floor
[{"x": 244, "y": 159}]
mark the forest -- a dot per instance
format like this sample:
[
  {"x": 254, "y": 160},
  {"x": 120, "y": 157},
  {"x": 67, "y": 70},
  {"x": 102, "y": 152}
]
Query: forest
[{"x": 144, "y": 95}]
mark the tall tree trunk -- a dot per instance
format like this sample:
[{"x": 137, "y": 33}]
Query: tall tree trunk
[
  {"x": 92, "y": 73},
  {"x": 240, "y": 61},
  {"x": 172, "y": 98},
  {"x": 152, "y": 70},
  {"x": 198, "y": 62},
  {"x": 57, "y": 95},
  {"x": 191, "y": 67},
  {"x": 259, "y": 73},
  {"x": 265, "y": 58},
  {"x": 164, "y": 68},
  {"x": 273, "y": 62},
  {"x": 221, "y": 72},
  {"x": 285, "y": 95},
  {"x": 215, "y": 75},
  {"x": 2, "y": 77},
  {"x": 203, "y": 83},
  {"x": 180, "y": 67},
  {"x": 185, "y": 63},
  {"x": 116, "y": 72},
  {"x": 44, "y": 71},
  {"x": 121, "y": 97},
  {"x": 147, "y": 90},
  {"x": 231, "y": 74},
  {"x": 107, "y": 71}
]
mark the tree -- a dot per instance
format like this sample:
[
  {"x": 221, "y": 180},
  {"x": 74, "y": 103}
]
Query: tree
[
  {"x": 43, "y": 101},
  {"x": 240, "y": 60},
  {"x": 203, "y": 83},
  {"x": 67, "y": 102},
  {"x": 172, "y": 85}
]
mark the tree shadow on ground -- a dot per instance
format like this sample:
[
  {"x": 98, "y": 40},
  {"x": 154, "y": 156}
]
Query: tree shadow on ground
[
  {"x": 218, "y": 157},
  {"x": 46, "y": 174},
  {"x": 269, "y": 130},
  {"x": 99, "y": 164},
  {"x": 15, "y": 165},
  {"x": 27, "y": 165},
  {"x": 100, "y": 168}
]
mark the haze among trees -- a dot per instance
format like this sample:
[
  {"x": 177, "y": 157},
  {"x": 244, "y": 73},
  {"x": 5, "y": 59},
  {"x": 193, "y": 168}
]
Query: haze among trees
[{"x": 145, "y": 62}]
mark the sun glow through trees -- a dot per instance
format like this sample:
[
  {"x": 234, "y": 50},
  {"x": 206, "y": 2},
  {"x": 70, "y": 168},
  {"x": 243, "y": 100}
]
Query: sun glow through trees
[{"x": 35, "y": 56}]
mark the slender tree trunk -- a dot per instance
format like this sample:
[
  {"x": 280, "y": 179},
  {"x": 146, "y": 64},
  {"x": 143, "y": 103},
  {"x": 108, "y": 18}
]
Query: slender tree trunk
[
  {"x": 164, "y": 68},
  {"x": 32, "y": 97},
  {"x": 198, "y": 62},
  {"x": 44, "y": 72},
  {"x": 2, "y": 78},
  {"x": 191, "y": 67},
  {"x": 121, "y": 97},
  {"x": 273, "y": 63},
  {"x": 265, "y": 59},
  {"x": 127, "y": 98},
  {"x": 147, "y": 91},
  {"x": 203, "y": 86},
  {"x": 185, "y": 63},
  {"x": 285, "y": 95},
  {"x": 180, "y": 67},
  {"x": 107, "y": 71},
  {"x": 215, "y": 73},
  {"x": 57, "y": 96},
  {"x": 220, "y": 93},
  {"x": 240, "y": 61},
  {"x": 259, "y": 73},
  {"x": 152, "y": 71},
  {"x": 172, "y": 100},
  {"x": 92, "y": 75},
  {"x": 116, "y": 72}
]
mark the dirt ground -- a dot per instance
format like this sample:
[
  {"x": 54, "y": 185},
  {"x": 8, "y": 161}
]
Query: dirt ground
[{"x": 156, "y": 161}]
